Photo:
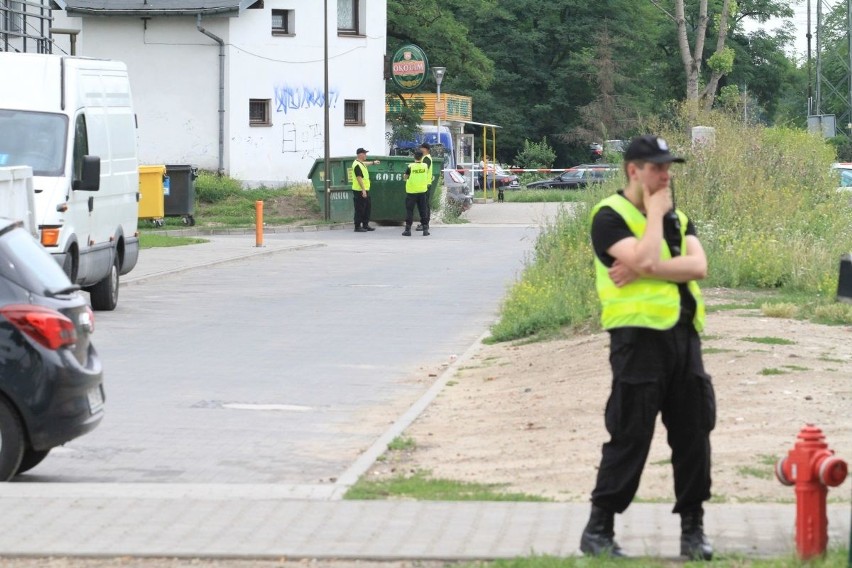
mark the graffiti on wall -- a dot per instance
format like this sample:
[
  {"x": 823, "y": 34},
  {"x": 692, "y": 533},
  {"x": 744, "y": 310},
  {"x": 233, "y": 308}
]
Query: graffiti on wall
[
  {"x": 304, "y": 140},
  {"x": 289, "y": 98}
]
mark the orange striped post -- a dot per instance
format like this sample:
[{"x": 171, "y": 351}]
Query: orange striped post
[{"x": 258, "y": 226}]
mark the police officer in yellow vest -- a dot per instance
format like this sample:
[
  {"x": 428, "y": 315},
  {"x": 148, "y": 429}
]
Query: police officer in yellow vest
[
  {"x": 647, "y": 261},
  {"x": 417, "y": 178},
  {"x": 361, "y": 190}
]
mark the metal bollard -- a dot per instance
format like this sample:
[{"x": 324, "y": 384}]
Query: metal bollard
[{"x": 258, "y": 224}]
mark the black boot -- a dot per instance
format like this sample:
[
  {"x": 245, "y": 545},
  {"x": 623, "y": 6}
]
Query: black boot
[
  {"x": 407, "y": 231},
  {"x": 426, "y": 230},
  {"x": 599, "y": 537},
  {"x": 693, "y": 542}
]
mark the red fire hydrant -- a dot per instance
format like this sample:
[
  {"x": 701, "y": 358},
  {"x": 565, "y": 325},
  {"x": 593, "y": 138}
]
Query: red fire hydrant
[{"x": 813, "y": 468}]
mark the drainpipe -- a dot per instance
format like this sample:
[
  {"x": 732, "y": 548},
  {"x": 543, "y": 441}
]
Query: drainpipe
[{"x": 221, "y": 43}]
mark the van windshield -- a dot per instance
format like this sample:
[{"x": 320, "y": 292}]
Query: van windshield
[{"x": 35, "y": 139}]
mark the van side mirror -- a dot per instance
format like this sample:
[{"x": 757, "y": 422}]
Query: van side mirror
[{"x": 90, "y": 175}]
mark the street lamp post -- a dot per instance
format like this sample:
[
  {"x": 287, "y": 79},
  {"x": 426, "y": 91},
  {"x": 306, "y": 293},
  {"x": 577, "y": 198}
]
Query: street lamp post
[
  {"x": 326, "y": 149},
  {"x": 439, "y": 72}
]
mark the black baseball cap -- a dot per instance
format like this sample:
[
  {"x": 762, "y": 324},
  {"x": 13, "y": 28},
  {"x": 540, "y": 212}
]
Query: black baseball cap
[
  {"x": 426, "y": 145},
  {"x": 649, "y": 148},
  {"x": 360, "y": 151}
]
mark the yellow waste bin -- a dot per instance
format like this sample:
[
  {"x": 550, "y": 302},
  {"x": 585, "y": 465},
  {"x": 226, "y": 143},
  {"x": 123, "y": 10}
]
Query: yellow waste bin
[{"x": 151, "y": 187}]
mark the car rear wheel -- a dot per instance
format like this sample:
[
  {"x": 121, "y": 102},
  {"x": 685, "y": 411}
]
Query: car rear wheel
[
  {"x": 104, "y": 294},
  {"x": 32, "y": 458},
  {"x": 11, "y": 441}
]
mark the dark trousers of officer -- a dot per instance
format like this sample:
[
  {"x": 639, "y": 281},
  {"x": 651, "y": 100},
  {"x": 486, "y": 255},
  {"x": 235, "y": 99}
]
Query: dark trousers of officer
[
  {"x": 421, "y": 200},
  {"x": 656, "y": 371},
  {"x": 362, "y": 209}
]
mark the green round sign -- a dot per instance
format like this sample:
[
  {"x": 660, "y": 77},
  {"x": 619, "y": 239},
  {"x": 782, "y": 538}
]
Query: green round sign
[{"x": 409, "y": 67}]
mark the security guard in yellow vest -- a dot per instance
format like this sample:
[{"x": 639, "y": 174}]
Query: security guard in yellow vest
[
  {"x": 647, "y": 261},
  {"x": 426, "y": 148},
  {"x": 361, "y": 190},
  {"x": 417, "y": 181}
]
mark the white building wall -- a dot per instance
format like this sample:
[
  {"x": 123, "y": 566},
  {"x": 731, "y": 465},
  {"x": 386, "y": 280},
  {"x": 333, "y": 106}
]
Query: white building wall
[{"x": 175, "y": 76}]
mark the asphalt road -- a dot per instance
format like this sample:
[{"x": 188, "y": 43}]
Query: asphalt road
[{"x": 283, "y": 368}]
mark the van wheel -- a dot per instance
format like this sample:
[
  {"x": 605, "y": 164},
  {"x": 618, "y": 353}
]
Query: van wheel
[
  {"x": 69, "y": 266},
  {"x": 104, "y": 294},
  {"x": 11, "y": 441},
  {"x": 31, "y": 459}
]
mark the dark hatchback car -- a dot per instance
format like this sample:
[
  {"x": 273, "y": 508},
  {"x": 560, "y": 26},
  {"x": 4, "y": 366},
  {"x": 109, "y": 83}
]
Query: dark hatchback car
[
  {"x": 576, "y": 178},
  {"x": 50, "y": 374}
]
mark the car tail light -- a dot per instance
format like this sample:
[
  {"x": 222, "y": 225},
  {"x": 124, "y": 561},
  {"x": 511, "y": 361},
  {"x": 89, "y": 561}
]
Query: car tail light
[{"x": 45, "y": 326}]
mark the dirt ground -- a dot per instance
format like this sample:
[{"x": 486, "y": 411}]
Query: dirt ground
[{"x": 530, "y": 416}]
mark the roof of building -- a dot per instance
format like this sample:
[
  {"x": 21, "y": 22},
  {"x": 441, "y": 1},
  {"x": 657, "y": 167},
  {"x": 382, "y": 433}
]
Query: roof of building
[{"x": 154, "y": 7}]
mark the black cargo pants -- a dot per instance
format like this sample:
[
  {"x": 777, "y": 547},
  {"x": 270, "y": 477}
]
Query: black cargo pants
[{"x": 656, "y": 371}]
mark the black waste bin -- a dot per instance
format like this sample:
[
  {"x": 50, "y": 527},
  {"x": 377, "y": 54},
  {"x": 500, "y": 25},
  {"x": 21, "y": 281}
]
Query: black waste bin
[{"x": 180, "y": 199}]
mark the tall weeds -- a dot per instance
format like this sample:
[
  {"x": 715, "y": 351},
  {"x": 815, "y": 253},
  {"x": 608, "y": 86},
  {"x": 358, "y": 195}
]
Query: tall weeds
[{"x": 765, "y": 206}]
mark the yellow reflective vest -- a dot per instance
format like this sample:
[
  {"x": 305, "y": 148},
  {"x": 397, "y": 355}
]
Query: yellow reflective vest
[
  {"x": 355, "y": 185},
  {"x": 418, "y": 178},
  {"x": 645, "y": 302}
]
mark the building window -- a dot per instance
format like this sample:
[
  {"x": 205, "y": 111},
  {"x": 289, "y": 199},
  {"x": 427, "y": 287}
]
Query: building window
[
  {"x": 13, "y": 17},
  {"x": 349, "y": 17},
  {"x": 259, "y": 112},
  {"x": 283, "y": 22},
  {"x": 353, "y": 113}
]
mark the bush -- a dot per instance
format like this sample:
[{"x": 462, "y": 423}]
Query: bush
[{"x": 536, "y": 155}]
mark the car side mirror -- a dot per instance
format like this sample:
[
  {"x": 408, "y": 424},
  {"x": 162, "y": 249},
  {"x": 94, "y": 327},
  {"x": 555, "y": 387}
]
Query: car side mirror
[{"x": 90, "y": 175}]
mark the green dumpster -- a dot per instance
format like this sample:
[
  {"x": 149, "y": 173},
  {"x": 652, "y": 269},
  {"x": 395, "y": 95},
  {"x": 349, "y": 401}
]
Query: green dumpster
[{"x": 387, "y": 187}]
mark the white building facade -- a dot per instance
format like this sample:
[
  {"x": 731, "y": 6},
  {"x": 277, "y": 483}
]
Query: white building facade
[{"x": 238, "y": 86}]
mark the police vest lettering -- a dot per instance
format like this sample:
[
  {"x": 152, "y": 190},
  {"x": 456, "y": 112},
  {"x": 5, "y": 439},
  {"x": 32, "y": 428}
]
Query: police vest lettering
[
  {"x": 645, "y": 302},
  {"x": 418, "y": 178},
  {"x": 366, "y": 173}
]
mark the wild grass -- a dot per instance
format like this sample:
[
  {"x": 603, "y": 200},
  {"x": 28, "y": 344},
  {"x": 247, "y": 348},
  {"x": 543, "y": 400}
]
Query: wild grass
[{"x": 765, "y": 208}]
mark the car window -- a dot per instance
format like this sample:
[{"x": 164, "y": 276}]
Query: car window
[
  {"x": 573, "y": 174},
  {"x": 26, "y": 263},
  {"x": 845, "y": 178}
]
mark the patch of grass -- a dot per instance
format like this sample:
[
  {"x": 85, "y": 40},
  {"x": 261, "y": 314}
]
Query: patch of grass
[
  {"x": 795, "y": 367},
  {"x": 222, "y": 201},
  {"x": 662, "y": 462},
  {"x": 421, "y": 486},
  {"x": 835, "y": 558},
  {"x": 828, "y": 359},
  {"x": 769, "y": 340},
  {"x": 758, "y": 472},
  {"x": 151, "y": 240},
  {"x": 769, "y": 371},
  {"x": 767, "y": 459},
  {"x": 402, "y": 443},
  {"x": 729, "y": 307},
  {"x": 452, "y": 383},
  {"x": 779, "y": 310},
  {"x": 712, "y": 350}
]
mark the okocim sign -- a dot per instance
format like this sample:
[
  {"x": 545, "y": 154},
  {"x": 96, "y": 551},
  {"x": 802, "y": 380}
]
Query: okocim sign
[{"x": 409, "y": 67}]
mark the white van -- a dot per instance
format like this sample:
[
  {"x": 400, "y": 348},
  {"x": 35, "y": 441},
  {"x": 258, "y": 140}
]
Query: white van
[{"x": 71, "y": 119}]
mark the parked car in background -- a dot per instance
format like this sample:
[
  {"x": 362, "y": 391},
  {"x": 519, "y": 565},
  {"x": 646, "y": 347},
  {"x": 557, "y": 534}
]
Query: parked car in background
[
  {"x": 495, "y": 175},
  {"x": 459, "y": 191},
  {"x": 844, "y": 175},
  {"x": 50, "y": 374},
  {"x": 577, "y": 177}
]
